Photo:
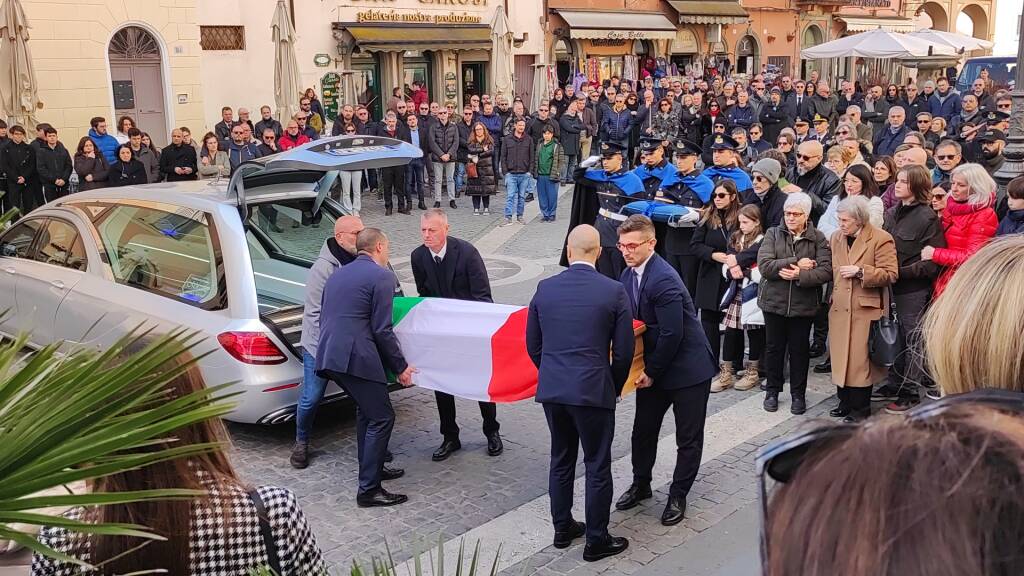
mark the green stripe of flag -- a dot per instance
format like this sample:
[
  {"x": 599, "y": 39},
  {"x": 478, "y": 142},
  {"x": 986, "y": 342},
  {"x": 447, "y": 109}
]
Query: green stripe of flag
[{"x": 403, "y": 305}]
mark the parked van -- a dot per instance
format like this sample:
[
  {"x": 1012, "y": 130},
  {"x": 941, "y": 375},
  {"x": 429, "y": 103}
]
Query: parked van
[{"x": 1001, "y": 69}]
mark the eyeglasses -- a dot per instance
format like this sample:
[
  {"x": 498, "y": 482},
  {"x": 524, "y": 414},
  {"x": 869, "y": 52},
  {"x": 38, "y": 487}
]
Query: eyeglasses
[
  {"x": 805, "y": 157},
  {"x": 936, "y": 196},
  {"x": 268, "y": 137},
  {"x": 722, "y": 195},
  {"x": 842, "y": 132},
  {"x": 783, "y": 143},
  {"x": 1005, "y": 106},
  {"x": 946, "y": 157},
  {"x": 631, "y": 246},
  {"x": 793, "y": 214},
  {"x": 542, "y": 109},
  {"x": 781, "y": 459},
  {"x": 759, "y": 178},
  {"x": 350, "y": 131}
]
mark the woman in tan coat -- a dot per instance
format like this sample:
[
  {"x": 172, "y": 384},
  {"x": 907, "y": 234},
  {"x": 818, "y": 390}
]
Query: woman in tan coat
[{"x": 864, "y": 264}]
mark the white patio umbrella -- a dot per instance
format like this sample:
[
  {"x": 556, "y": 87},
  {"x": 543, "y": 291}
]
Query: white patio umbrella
[
  {"x": 952, "y": 39},
  {"x": 18, "y": 98},
  {"x": 501, "y": 55},
  {"x": 876, "y": 43},
  {"x": 286, "y": 66}
]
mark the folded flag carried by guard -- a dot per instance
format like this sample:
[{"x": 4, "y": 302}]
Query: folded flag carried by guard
[{"x": 473, "y": 350}]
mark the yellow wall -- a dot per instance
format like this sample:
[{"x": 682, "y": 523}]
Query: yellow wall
[{"x": 68, "y": 42}]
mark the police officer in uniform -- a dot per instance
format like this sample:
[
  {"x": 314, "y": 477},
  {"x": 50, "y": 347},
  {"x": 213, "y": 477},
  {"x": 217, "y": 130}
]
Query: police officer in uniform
[
  {"x": 654, "y": 167},
  {"x": 598, "y": 198},
  {"x": 689, "y": 188},
  {"x": 727, "y": 163}
]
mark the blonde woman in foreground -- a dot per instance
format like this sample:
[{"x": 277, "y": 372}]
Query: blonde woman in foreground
[{"x": 973, "y": 330}]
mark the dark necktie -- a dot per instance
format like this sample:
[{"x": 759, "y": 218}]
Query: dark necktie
[
  {"x": 437, "y": 259},
  {"x": 635, "y": 293}
]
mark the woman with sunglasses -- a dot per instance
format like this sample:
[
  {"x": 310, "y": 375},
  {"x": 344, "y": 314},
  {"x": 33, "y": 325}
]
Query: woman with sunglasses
[
  {"x": 480, "y": 152},
  {"x": 710, "y": 244},
  {"x": 795, "y": 262},
  {"x": 853, "y": 500},
  {"x": 938, "y": 199},
  {"x": 350, "y": 196},
  {"x": 864, "y": 265},
  {"x": 664, "y": 124}
]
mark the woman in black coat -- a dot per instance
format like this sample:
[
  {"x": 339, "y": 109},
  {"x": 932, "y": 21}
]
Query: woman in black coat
[
  {"x": 480, "y": 149},
  {"x": 90, "y": 165},
  {"x": 710, "y": 244},
  {"x": 127, "y": 170}
]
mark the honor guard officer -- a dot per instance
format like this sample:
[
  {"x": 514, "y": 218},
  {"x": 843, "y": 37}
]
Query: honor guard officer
[
  {"x": 727, "y": 163},
  {"x": 691, "y": 189},
  {"x": 654, "y": 167},
  {"x": 598, "y": 198}
]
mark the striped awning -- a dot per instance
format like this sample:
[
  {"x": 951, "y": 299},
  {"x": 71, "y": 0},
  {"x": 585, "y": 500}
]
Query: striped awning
[
  {"x": 399, "y": 37},
  {"x": 709, "y": 11},
  {"x": 618, "y": 25},
  {"x": 854, "y": 24}
]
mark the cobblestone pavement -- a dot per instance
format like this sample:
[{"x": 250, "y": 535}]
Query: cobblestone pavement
[{"x": 501, "y": 500}]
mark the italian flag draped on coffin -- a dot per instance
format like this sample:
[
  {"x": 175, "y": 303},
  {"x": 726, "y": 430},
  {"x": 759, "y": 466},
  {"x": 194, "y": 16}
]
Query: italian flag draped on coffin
[{"x": 473, "y": 350}]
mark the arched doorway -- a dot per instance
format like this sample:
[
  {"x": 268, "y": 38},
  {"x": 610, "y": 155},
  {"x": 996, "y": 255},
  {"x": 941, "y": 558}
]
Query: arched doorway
[
  {"x": 137, "y": 81},
  {"x": 973, "y": 21},
  {"x": 932, "y": 15},
  {"x": 564, "y": 56},
  {"x": 748, "y": 54},
  {"x": 812, "y": 36}
]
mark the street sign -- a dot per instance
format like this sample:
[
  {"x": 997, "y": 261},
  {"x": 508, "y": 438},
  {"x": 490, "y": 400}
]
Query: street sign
[{"x": 330, "y": 84}]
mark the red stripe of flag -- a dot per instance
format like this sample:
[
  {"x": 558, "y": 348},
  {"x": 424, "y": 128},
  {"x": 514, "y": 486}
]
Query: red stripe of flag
[{"x": 513, "y": 375}]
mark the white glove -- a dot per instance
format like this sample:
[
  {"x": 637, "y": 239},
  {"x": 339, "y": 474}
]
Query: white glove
[
  {"x": 686, "y": 220},
  {"x": 590, "y": 162}
]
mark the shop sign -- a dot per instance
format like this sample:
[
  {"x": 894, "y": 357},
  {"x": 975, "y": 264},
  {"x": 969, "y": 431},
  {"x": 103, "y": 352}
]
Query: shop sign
[
  {"x": 455, "y": 2},
  {"x": 870, "y": 3},
  {"x": 417, "y": 17},
  {"x": 330, "y": 84},
  {"x": 607, "y": 42},
  {"x": 624, "y": 35},
  {"x": 322, "y": 60},
  {"x": 451, "y": 86}
]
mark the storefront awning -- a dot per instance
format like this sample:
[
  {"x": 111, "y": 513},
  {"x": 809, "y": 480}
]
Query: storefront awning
[
  {"x": 854, "y": 24},
  {"x": 710, "y": 12},
  {"x": 618, "y": 25},
  {"x": 399, "y": 38}
]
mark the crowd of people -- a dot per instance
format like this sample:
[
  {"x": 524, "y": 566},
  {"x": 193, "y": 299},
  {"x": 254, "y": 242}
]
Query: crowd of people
[{"x": 799, "y": 241}]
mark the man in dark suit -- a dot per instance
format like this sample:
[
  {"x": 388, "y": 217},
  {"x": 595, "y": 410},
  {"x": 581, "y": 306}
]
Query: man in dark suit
[
  {"x": 679, "y": 366},
  {"x": 574, "y": 317},
  {"x": 446, "y": 267},
  {"x": 357, "y": 345},
  {"x": 392, "y": 178}
]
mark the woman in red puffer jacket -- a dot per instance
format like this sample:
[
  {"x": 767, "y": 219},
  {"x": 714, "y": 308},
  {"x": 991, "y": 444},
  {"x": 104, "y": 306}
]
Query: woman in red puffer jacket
[{"x": 969, "y": 220}]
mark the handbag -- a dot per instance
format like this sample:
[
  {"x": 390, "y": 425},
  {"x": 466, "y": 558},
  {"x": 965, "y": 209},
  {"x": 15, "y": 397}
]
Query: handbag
[
  {"x": 471, "y": 170},
  {"x": 273, "y": 559},
  {"x": 885, "y": 339}
]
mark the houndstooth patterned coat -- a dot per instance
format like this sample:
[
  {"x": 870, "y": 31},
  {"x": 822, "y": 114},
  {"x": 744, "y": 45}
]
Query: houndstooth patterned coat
[{"x": 217, "y": 549}]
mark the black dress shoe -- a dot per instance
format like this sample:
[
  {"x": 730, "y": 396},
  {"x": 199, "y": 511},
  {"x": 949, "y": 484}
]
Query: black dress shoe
[
  {"x": 823, "y": 368},
  {"x": 610, "y": 547},
  {"x": 422, "y": 206},
  {"x": 387, "y": 211},
  {"x": 674, "y": 509},
  {"x": 452, "y": 204},
  {"x": 839, "y": 411},
  {"x": 380, "y": 497},
  {"x": 391, "y": 473},
  {"x": 494, "y": 445},
  {"x": 771, "y": 401},
  {"x": 448, "y": 447},
  {"x": 816, "y": 349},
  {"x": 388, "y": 456},
  {"x": 632, "y": 497},
  {"x": 564, "y": 538},
  {"x": 799, "y": 405},
  {"x": 437, "y": 204}
]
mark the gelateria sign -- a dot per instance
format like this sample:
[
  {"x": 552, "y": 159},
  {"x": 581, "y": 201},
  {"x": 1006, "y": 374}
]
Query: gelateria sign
[{"x": 417, "y": 17}]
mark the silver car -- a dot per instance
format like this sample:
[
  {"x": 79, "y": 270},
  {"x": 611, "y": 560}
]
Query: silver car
[{"x": 228, "y": 259}]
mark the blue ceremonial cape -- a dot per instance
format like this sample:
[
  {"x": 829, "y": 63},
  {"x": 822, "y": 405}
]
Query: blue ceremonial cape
[
  {"x": 661, "y": 173},
  {"x": 627, "y": 182},
  {"x": 737, "y": 175},
  {"x": 701, "y": 185}
]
